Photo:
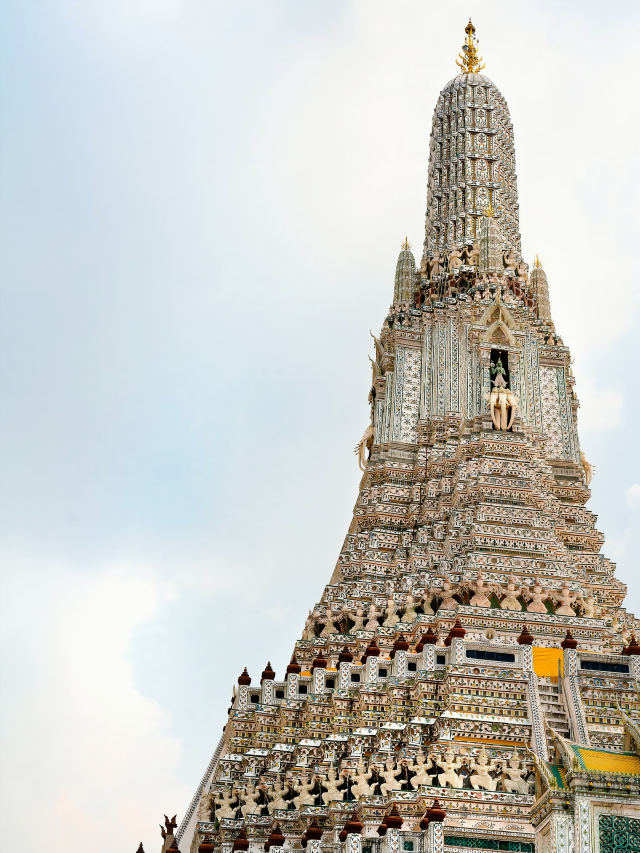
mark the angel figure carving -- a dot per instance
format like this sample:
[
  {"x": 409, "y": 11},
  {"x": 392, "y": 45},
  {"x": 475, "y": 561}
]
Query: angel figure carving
[
  {"x": 455, "y": 259},
  {"x": 365, "y": 444},
  {"x": 358, "y": 618}
]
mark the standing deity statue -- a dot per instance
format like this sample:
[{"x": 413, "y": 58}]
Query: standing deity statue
[
  {"x": 276, "y": 796},
  {"x": 250, "y": 794},
  {"x": 566, "y": 600},
  {"x": 331, "y": 784},
  {"x": 515, "y": 784},
  {"x": 427, "y": 599},
  {"x": 509, "y": 261},
  {"x": 392, "y": 617},
  {"x": 226, "y": 810},
  {"x": 329, "y": 627},
  {"x": 483, "y": 767},
  {"x": 308, "y": 632},
  {"x": 304, "y": 787},
  {"x": 450, "y": 764},
  {"x": 389, "y": 774},
  {"x": 372, "y": 618},
  {"x": 358, "y": 618},
  {"x": 419, "y": 768},
  {"x": 435, "y": 266},
  {"x": 455, "y": 259},
  {"x": 361, "y": 786},
  {"x": 205, "y": 805},
  {"x": 480, "y": 599},
  {"x": 537, "y": 598},
  {"x": 410, "y": 614},
  {"x": 448, "y": 591},
  {"x": 510, "y": 600}
]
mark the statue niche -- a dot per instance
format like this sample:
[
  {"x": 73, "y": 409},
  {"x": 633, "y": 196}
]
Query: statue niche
[{"x": 503, "y": 403}]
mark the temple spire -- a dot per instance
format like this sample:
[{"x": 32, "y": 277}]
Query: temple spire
[
  {"x": 470, "y": 60},
  {"x": 405, "y": 274},
  {"x": 541, "y": 290}
]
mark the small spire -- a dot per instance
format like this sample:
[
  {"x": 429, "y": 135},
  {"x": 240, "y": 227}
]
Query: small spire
[
  {"x": 470, "y": 60},
  {"x": 537, "y": 264},
  {"x": 406, "y": 245},
  {"x": 140, "y": 848}
]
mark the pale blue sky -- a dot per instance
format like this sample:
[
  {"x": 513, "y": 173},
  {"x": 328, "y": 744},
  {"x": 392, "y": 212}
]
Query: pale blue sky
[{"x": 202, "y": 205}]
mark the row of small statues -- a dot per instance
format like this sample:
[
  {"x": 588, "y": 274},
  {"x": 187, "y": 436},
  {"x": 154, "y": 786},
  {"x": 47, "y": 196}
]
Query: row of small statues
[
  {"x": 317, "y": 789},
  {"x": 466, "y": 254},
  {"x": 510, "y": 597}
]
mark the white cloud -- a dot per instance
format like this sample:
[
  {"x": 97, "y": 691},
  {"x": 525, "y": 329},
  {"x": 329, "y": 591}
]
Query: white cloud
[
  {"x": 632, "y": 496},
  {"x": 77, "y": 733}
]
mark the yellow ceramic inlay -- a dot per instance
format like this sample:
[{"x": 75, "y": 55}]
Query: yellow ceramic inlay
[{"x": 610, "y": 762}]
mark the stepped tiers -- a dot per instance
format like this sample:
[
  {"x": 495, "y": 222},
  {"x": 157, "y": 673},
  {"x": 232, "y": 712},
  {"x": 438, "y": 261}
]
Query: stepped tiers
[{"x": 469, "y": 677}]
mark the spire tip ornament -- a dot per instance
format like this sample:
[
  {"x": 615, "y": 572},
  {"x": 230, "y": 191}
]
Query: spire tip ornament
[
  {"x": 470, "y": 60},
  {"x": 406, "y": 245}
]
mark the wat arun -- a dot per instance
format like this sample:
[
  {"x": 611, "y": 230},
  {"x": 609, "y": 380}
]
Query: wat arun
[{"x": 469, "y": 678}]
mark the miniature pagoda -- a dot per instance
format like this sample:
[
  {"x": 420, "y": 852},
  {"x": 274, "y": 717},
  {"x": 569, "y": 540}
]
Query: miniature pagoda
[{"x": 469, "y": 678}]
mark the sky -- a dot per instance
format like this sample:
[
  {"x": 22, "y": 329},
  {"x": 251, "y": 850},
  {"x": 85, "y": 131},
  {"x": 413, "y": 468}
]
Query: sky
[{"x": 201, "y": 205}]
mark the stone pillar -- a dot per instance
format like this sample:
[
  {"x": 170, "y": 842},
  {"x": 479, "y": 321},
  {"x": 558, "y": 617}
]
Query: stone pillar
[
  {"x": 391, "y": 841},
  {"x": 353, "y": 843},
  {"x": 318, "y": 680},
  {"x": 555, "y": 834},
  {"x": 434, "y": 841},
  {"x": 428, "y": 661},
  {"x": 400, "y": 664},
  {"x": 243, "y": 696},
  {"x": 292, "y": 686},
  {"x": 371, "y": 670},
  {"x": 267, "y": 691},
  {"x": 345, "y": 675}
]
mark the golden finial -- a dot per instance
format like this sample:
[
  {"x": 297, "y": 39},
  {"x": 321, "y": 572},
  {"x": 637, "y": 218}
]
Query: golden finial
[
  {"x": 406, "y": 244},
  {"x": 470, "y": 60},
  {"x": 537, "y": 263}
]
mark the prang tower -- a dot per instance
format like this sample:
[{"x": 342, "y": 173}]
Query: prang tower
[{"x": 469, "y": 678}]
